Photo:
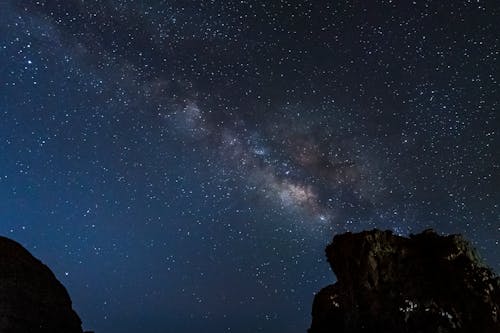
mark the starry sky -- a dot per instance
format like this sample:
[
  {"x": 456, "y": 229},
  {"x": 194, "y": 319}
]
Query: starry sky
[{"x": 181, "y": 165}]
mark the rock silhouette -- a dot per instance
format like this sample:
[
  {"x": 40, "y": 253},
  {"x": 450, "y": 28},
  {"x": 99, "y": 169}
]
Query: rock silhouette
[
  {"x": 425, "y": 283},
  {"x": 31, "y": 298}
]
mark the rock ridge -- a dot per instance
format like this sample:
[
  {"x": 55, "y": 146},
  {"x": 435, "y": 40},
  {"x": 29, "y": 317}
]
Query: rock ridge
[
  {"x": 31, "y": 298},
  {"x": 423, "y": 283}
]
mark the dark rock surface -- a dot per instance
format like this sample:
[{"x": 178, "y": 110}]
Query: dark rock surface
[
  {"x": 425, "y": 283},
  {"x": 31, "y": 298}
]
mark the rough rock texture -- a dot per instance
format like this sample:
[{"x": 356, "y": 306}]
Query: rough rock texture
[
  {"x": 31, "y": 298},
  {"x": 425, "y": 283}
]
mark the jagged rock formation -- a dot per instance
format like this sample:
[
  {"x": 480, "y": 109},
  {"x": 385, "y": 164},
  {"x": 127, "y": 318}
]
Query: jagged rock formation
[
  {"x": 31, "y": 298},
  {"x": 425, "y": 283}
]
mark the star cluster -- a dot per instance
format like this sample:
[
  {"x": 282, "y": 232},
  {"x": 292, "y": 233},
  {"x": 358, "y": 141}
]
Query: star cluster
[{"x": 182, "y": 164}]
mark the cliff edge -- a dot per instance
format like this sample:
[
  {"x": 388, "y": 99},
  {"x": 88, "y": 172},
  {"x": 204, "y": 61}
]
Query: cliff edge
[
  {"x": 31, "y": 298},
  {"x": 424, "y": 283}
]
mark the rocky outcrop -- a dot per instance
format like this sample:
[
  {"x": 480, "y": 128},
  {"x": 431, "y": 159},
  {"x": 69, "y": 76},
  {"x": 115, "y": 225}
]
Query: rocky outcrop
[
  {"x": 424, "y": 283},
  {"x": 31, "y": 298}
]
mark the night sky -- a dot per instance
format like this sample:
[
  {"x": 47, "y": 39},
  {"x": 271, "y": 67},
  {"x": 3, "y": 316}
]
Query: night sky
[{"x": 181, "y": 165}]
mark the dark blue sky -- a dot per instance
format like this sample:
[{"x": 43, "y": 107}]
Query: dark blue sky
[{"x": 181, "y": 165}]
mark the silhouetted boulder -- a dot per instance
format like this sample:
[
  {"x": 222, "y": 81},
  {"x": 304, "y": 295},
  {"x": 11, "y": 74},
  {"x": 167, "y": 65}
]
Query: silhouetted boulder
[
  {"x": 425, "y": 283},
  {"x": 32, "y": 300}
]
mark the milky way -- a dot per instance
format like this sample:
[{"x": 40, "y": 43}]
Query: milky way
[{"x": 182, "y": 164}]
